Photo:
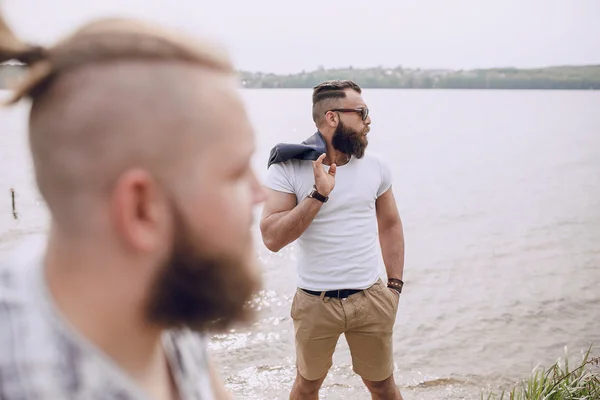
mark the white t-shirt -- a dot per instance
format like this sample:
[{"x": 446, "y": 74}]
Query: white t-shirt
[{"x": 340, "y": 248}]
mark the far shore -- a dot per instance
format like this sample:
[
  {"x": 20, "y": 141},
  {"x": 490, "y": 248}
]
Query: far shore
[{"x": 584, "y": 77}]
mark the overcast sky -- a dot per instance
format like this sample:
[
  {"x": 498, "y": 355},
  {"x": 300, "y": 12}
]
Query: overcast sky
[{"x": 284, "y": 36}]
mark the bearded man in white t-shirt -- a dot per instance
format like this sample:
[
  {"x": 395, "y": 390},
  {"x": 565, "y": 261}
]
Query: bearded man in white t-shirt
[{"x": 336, "y": 200}]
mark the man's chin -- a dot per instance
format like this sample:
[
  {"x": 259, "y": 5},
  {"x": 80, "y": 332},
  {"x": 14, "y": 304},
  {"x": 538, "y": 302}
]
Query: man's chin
[{"x": 209, "y": 295}]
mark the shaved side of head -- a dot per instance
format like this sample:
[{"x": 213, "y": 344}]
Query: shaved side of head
[
  {"x": 321, "y": 107},
  {"x": 101, "y": 120},
  {"x": 102, "y": 100}
]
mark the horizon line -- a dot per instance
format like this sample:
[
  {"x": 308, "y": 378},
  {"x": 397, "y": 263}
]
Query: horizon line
[{"x": 418, "y": 68}]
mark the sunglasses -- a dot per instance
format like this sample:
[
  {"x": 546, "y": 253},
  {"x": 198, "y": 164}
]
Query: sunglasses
[{"x": 364, "y": 112}]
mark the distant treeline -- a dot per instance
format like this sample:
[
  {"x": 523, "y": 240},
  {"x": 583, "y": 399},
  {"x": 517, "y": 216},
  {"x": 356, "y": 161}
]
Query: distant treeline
[
  {"x": 562, "y": 78},
  {"x": 557, "y": 78}
]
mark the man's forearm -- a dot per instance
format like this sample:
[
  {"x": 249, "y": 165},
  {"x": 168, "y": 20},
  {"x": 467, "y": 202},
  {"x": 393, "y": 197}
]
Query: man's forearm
[
  {"x": 217, "y": 383},
  {"x": 283, "y": 228},
  {"x": 392, "y": 250}
]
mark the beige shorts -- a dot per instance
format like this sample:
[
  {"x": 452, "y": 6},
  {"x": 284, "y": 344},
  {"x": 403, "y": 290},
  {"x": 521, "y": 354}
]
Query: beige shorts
[{"x": 366, "y": 318}]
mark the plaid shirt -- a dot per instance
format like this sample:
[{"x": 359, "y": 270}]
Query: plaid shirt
[{"x": 43, "y": 357}]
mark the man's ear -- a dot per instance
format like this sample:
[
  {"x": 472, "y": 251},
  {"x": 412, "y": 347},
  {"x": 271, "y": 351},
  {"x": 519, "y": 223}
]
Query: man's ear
[
  {"x": 331, "y": 118},
  {"x": 136, "y": 211}
]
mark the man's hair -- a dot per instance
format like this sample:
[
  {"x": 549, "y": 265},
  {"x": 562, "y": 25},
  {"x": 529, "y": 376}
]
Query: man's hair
[
  {"x": 327, "y": 93},
  {"x": 82, "y": 133},
  {"x": 101, "y": 41}
]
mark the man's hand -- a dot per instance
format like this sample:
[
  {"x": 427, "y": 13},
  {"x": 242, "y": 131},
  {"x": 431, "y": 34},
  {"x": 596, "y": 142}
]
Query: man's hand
[{"x": 324, "y": 181}]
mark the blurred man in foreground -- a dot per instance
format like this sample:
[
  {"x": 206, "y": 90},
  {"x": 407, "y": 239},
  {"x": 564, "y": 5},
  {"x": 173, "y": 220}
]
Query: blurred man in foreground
[{"x": 141, "y": 150}]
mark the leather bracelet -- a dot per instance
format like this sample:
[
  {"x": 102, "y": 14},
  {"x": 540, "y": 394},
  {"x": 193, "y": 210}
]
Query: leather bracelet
[{"x": 396, "y": 284}]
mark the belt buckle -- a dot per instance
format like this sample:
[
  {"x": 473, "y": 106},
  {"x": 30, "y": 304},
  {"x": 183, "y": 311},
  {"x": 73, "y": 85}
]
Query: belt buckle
[{"x": 339, "y": 295}]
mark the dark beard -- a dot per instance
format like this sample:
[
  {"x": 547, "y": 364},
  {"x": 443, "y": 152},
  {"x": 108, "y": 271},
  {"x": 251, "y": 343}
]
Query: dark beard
[
  {"x": 202, "y": 292},
  {"x": 349, "y": 141}
]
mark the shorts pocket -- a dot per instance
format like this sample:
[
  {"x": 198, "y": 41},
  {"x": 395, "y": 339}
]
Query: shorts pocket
[
  {"x": 381, "y": 290},
  {"x": 300, "y": 302},
  {"x": 395, "y": 298}
]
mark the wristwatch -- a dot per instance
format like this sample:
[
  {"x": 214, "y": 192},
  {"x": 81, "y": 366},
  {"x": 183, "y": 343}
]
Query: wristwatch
[{"x": 314, "y": 194}]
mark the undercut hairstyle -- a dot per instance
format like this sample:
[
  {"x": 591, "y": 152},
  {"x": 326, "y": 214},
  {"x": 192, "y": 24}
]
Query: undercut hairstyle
[
  {"x": 97, "y": 98},
  {"x": 326, "y": 96}
]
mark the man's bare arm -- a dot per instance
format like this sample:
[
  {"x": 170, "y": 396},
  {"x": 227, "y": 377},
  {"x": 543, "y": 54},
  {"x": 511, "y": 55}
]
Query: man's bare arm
[
  {"x": 284, "y": 221},
  {"x": 391, "y": 235},
  {"x": 217, "y": 384}
]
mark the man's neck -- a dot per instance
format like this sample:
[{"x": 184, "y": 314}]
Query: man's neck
[
  {"x": 336, "y": 157},
  {"x": 106, "y": 312}
]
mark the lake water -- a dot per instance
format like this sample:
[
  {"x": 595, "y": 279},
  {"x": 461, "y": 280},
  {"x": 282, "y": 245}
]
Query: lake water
[{"x": 499, "y": 192}]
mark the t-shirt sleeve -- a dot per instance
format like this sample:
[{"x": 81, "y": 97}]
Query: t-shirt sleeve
[
  {"x": 279, "y": 177},
  {"x": 386, "y": 178}
]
